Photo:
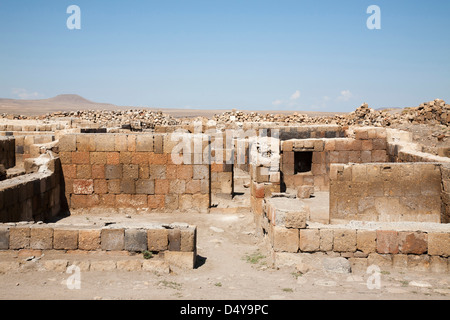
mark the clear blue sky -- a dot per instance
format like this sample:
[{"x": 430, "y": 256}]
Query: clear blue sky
[{"x": 218, "y": 54}]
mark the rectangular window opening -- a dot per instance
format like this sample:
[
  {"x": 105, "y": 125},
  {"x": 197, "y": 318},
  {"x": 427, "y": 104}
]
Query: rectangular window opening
[{"x": 302, "y": 161}]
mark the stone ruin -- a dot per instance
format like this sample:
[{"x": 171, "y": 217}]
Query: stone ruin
[{"x": 365, "y": 193}]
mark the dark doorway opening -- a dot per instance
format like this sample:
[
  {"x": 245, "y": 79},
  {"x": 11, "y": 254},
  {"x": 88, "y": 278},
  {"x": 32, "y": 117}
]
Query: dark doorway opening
[{"x": 302, "y": 161}]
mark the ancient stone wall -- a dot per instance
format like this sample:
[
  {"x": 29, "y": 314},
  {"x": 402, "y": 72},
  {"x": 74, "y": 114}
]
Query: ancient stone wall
[
  {"x": 284, "y": 224},
  {"x": 177, "y": 242},
  {"x": 385, "y": 192},
  {"x": 133, "y": 171},
  {"x": 367, "y": 145},
  {"x": 34, "y": 196}
]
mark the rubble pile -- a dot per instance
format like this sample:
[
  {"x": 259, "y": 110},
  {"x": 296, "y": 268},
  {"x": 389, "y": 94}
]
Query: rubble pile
[
  {"x": 144, "y": 119},
  {"x": 431, "y": 113}
]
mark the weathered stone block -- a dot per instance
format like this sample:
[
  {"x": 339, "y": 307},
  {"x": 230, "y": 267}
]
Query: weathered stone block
[
  {"x": 413, "y": 242},
  {"x": 41, "y": 238},
  {"x": 200, "y": 172},
  {"x": 112, "y": 239},
  {"x": 344, "y": 240},
  {"x": 285, "y": 240},
  {"x": 387, "y": 241},
  {"x": 83, "y": 186},
  {"x": 65, "y": 239},
  {"x": 129, "y": 265},
  {"x": 19, "y": 238},
  {"x": 326, "y": 239},
  {"x": 89, "y": 239},
  {"x": 158, "y": 239},
  {"x": 104, "y": 142},
  {"x": 145, "y": 186},
  {"x": 439, "y": 244},
  {"x": 188, "y": 239},
  {"x": 113, "y": 171},
  {"x": 68, "y": 143},
  {"x": 135, "y": 240},
  {"x": 144, "y": 143},
  {"x": 174, "y": 239},
  {"x": 180, "y": 259},
  {"x": 4, "y": 238},
  {"x": 366, "y": 241},
  {"x": 309, "y": 240},
  {"x": 158, "y": 266},
  {"x": 103, "y": 265}
]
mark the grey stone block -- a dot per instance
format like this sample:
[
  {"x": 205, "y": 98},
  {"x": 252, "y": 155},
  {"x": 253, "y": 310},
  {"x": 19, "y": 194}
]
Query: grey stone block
[{"x": 135, "y": 240}]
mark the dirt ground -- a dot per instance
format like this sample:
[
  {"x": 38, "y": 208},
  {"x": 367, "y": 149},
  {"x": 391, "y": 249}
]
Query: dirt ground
[{"x": 232, "y": 264}]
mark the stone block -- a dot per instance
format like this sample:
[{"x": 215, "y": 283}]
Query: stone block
[
  {"x": 200, "y": 172},
  {"x": 144, "y": 143},
  {"x": 326, "y": 240},
  {"x": 103, "y": 265},
  {"x": 58, "y": 265},
  {"x": 419, "y": 263},
  {"x": 156, "y": 201},
  {"x": 383, "y": 261},
  {"x": 188, "y": 239},
  {"x": 158, "y": 172},
  {"x": 158, "y": 239},
  {"x": 113, "y": 171},
  {"x": 135, "y": 240},
  {"x": 130, "y": 171},
  {"x": 177, "y": 186},
  {"x": 112, "y": 239},
  {"x": 158, "y": 266},
  {"x": 104, "y": 142},
  {"x": 80, "y": 157},
  {"x": 387, "y": 242},
  {"x": 366, "y": 241},
  {"x": 83, "y": 186},
  {"x": 180, "y": 259},
  {"x": 285, "y": 240},
  {"x": 344, "y": 240},
  {"x": 145, "y": 186},
  {"x": 161, "y": 186},
  {"x": 19, "y": 238},
  {"x": 65, "y": 239},
  {"x": 41, "y": 238},
  {"x": 89, "y": 239},
  {"x": 171, "y": 202},
  {"x": 174, "y": 239},
  {"x": 127, "y": 186},
  {"x": 305, "y": 192},
  {"x": 4, "y": 238},
  {"x": 439, "y": 244},
  {"x": 68, "y": 143},
  {"x": 438, "y": 264},
  {"x": 413, "y": 242},
  {"x": 309, "y": 240},
  {"x": 129, "y": 265}
]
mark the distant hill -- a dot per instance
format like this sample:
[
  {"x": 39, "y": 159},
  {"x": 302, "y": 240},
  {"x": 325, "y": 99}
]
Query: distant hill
[{"x": 62, "y": 102}]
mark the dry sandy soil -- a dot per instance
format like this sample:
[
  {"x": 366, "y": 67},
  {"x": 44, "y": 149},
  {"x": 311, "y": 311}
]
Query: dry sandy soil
[{"x": 232, "y": 264}]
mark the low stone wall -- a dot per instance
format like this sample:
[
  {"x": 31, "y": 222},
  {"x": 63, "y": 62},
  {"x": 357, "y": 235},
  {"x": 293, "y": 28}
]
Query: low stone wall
[
  {"x": 32, "y": 197},
  {"x": 177, "y": 242},
  {"x": 385, "y": 192},
  {"x": 132, "y": 171},
  {"x": 286, "y": 227},
  {"x": 7, "y": 152}
]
